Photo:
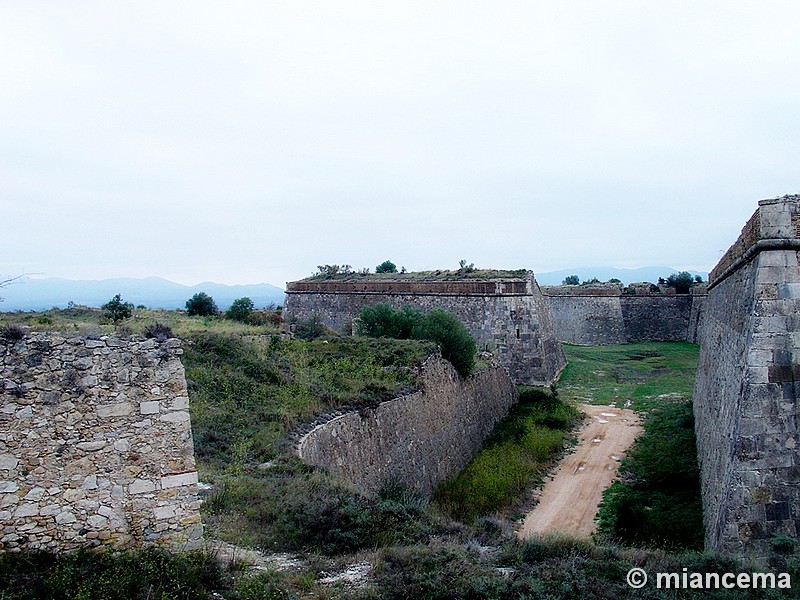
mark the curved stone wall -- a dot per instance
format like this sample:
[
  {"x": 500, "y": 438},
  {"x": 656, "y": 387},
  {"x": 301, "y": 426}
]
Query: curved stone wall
[{"x": 419, "y": 439}]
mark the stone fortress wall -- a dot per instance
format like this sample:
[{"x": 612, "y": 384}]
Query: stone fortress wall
[
  {"x": 603, "y": 315},
  {"x": 507, "y": 316},
  {"x": 747, "y": 388},
  {"x": 419, "y": 439},
  {"x": 95, "y": 445}
]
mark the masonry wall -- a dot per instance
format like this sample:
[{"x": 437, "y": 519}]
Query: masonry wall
[
  {"x": 95, "y": 445},
  {"x": 509, "y": 318},
  {"x": 419, "y": 439},
  {"x": 746, "y": 394},
  {"x": 598, "y": 317}
]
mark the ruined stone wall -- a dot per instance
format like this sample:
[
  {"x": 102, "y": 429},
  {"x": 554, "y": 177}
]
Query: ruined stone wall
[
  {"x": 598, "y": 317},
  {"x": 419, "y": 439},
  {"x": 748, "y": 382},
  {"x": 509, "y": 318},
  {"x": 95, "y": 444}
]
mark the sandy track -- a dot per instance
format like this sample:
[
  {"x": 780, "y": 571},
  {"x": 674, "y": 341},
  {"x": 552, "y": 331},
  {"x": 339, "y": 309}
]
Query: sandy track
[{"x": 569, "y": 501}]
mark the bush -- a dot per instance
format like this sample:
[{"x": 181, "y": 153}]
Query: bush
[
  {"x": 12, "y": 333},
  {"x": 241, "y": 309},
  {"x": 453, "y": 338},
  {"x": 158, "y": 331},
  {"x": 309, "y": 329},
  {"x": 201, "y": 304},
  {"x": 386, "y": 266},
  {"x": 571, "y": 280},
  {"x": 117, "y": 310},
  {"x": 382, "y": 320},
  {"x": 682, "y": 282},
  {"x": 438, "y": 326}
]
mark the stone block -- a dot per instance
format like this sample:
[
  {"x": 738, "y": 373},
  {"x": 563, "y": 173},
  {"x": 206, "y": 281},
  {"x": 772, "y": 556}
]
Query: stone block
[
  {"x": 141, "y": 486},
  {"x": 8, "y": 462},
  {"x": 120, "y": 409},
  {"x": 7, "y": 487},
  {"x": 178, "y": 416},
  {"x": 178, "y": 480},
  {"x": 65, "y": 518},
  {"x": 26, "y": 510},
  {"x": 149, "y": 408}
]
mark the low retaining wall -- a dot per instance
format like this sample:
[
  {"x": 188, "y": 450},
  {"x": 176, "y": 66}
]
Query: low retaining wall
[
  {"x": 95, "y": 445},
  {"x": 419, "y": 439}
]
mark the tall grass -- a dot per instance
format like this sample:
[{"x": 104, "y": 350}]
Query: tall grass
[{"x": 518, "y": 450}]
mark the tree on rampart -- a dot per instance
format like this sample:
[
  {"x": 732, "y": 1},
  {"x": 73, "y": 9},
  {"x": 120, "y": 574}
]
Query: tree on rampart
[
  {"x": 682, "y": 282},
  {"x": 571, "y": 280},
  {"x": 386, "y": 266}
]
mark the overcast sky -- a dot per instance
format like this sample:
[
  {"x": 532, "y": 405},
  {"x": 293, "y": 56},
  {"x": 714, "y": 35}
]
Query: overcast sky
[{"x": 245, "y": 142}]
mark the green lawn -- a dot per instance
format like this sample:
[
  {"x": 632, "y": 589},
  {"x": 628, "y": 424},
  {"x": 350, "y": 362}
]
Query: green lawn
[{"x": 645, "y": 375}]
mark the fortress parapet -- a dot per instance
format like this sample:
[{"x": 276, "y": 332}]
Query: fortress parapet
[{"x": 506, "y": 314}]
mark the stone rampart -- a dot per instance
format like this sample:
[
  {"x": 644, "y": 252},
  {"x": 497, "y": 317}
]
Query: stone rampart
[
  {"x": 95, "y": 444},
  {"x": 419, "y": 439},
  {"x": 508, "y": 317},
  {"x": 748, "y": 382},
  {"x": 601, "y": 316}
]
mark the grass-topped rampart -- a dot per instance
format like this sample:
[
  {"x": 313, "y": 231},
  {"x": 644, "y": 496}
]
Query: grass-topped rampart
[{"x": 437, "y": 275}]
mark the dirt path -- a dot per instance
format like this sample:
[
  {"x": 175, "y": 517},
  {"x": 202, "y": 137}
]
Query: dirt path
[{"x": 568, "y": 503}]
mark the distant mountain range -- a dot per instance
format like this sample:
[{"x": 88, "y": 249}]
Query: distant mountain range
[
  {"x": 626, "y": 276},
  {"x": 153, "y": 292}
]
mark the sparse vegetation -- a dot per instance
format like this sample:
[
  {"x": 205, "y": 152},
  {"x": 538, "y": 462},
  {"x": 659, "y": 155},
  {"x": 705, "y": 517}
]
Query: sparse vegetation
[{"x": 158, "y": 331}]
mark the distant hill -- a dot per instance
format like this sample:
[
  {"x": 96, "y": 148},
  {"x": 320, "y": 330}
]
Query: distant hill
[
  {"x": 626, "y": 276},
  {"x": 153, "y": 292}
]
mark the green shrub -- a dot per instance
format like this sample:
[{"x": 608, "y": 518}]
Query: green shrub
[
  {"x": 117, "y": 310},
  {"x": 442, "y": 327},
  {"x": 201, "y": 304},
  {"x": 240, "y": 310},
  {"x": 149, "y": 573},
  {"x": 157, "y": 331},
  {"x": 386, "y": 266},
  {"x": 453, "y": 338},
  {"x": 382, "y": 320}
]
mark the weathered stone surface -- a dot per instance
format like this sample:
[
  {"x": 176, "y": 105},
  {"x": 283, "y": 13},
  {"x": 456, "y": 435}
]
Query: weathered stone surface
[
  {"x": 598, "y": 316},
  {"x": 419, "y": 439},
  {"x": 508, "y": 317},
  {"x": 746, "y": 394},
  {"x": 78, "y": 462}
]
